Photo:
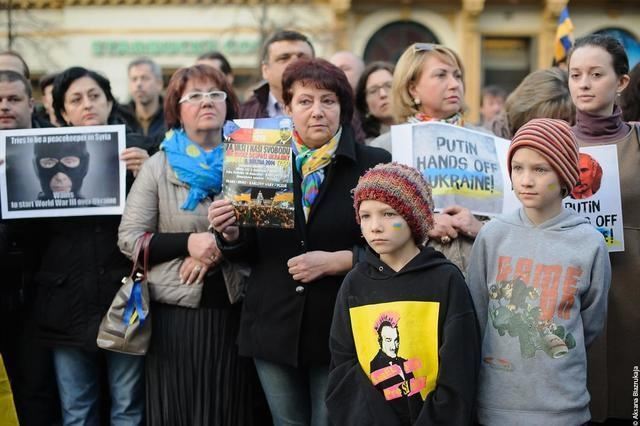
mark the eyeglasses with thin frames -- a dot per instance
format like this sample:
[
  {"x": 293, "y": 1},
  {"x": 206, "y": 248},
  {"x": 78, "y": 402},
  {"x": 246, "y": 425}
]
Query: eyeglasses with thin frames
[
  {"x": 374, "y": 90},
  {"x": 197, "y": 97}
]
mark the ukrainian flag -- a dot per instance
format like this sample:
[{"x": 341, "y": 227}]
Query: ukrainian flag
[{"x": 564, "y": 36}]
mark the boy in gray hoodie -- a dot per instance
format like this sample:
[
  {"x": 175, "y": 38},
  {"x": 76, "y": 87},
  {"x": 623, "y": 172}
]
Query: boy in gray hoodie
[{"x": 539, "y": 279}]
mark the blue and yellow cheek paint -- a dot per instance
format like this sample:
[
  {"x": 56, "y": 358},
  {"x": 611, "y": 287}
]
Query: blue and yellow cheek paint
[{"x": 397, "y": 226}]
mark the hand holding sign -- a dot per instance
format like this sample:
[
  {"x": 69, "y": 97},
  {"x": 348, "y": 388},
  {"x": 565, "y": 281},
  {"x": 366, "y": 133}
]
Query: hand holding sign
[{"x": 463, "y": 220}]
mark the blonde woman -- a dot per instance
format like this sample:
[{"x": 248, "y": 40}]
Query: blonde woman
[{"x": 428, "y": 85}]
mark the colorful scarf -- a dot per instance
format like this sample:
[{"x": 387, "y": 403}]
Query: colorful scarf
[
  {"x": 456, "y": 119},
  {"x": 310, "y": 163},
  {"x": 200, "y": 170}
]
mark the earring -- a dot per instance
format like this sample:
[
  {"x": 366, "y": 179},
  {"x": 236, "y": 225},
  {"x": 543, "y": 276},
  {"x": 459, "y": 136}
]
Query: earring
[{"x": 416, "y": 101}]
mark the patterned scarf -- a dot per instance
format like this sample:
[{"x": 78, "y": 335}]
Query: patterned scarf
[
  {"x": 456, "y": 119},
  {"x": 199, "y": 169},
  {"x": 310, "y": 163}
]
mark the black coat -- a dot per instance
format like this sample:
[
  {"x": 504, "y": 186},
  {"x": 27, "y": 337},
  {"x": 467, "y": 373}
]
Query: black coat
[
  {"x": 283, "y": 320},
  {"x": 80, "y": 272}
]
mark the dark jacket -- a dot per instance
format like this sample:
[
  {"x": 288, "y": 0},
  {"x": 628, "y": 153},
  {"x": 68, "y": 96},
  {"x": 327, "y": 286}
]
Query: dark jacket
[
  {"x": 80, "y": 272},
  {"x": 157, "y": 127},
  {"x": 428, "y": 305},
  {"x": 283, "y": 320},
  {"x": 256, "y": 107}
]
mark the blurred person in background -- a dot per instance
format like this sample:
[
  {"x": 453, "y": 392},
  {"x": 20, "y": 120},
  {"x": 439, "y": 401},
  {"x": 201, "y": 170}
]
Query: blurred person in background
[{"x": 373, "y": 99}]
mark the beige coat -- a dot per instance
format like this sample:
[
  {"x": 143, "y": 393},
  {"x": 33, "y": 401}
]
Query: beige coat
[{"x": 153, "y": 205}]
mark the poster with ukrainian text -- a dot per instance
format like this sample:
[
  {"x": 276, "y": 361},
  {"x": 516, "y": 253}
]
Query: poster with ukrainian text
[
  {"x": 55, "y": 172},
  {"x": 397, "y": 346},
  {"x": 597, "y": 193},
  {"x": 464, "y": 167},
  {"x": 257, "y": 172}
]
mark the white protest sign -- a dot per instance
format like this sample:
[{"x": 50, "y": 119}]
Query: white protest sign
[
  {"x": 463, "y": 166},
  {"x": 597, "y": 194},
  {"x": 70, "y": 171}
]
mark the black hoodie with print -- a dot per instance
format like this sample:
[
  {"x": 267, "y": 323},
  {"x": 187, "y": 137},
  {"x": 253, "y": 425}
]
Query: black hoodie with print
[{"x": 405, "y": 345}]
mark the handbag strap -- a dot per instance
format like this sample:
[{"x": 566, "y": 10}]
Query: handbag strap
[
  {"x": 142, "y": 245},
  {"x": 146, "y": 240},
  {"x": 136, "y": 256}
]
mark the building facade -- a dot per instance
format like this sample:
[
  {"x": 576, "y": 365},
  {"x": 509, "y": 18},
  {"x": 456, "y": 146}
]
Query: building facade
[{"x": 500, "y": 41}]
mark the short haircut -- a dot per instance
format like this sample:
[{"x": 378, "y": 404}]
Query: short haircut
[
  {"x": 542, "y": 94},
  {"x": 225, "y": 66},
  {"x": 611, "y": 45},
  {"x": 67, "y": 77},
  {"x": 493, "y": 90},
  {"x": 409, "y": 70},
  {"x": 10, "y": 76},
  {"x": 284, "y": 35},
  {"x": 25, "y": 71},
  {"x": 47, "y": 80},
  {"x": 323, "y": 75},
  {"x": 155, "y": 68},
  {"x": 179, "y": 81}
]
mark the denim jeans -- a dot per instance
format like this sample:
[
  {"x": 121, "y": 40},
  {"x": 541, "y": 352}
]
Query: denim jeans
[
  {"x": 295, "y": 395},
  {"x": 78, "y": 377}
]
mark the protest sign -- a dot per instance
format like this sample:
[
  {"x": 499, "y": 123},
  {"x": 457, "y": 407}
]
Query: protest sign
[
  {"x": 597, "y": 194},
  {"x": 257, "y": 173},
  {"x": 53, "y": 172},
  {"x": 464, "y": 167}
]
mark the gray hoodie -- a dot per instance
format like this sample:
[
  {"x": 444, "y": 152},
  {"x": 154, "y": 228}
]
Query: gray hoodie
[{"x": 540, "y": 293}]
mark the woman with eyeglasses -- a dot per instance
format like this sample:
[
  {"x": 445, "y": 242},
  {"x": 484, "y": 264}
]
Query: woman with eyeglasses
[
  {"x": 80, "y": 265},
  {"x": 428, "y": 85},
  {"x": 194, "y": 374},
  {"x": 373, "y": 99}
]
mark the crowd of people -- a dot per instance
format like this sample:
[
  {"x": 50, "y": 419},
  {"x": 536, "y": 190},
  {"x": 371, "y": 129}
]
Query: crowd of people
[{"x": 521, "y": 319}]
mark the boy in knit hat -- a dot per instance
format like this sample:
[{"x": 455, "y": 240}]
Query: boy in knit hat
[
  {"x": 404, "y": 339},
  {"x": 539, "y": 279}
]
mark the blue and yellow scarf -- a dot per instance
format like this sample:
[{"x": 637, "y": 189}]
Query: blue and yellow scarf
[
  {"x": 200, "y": 170},
  {"x": 310, "y": 163}
]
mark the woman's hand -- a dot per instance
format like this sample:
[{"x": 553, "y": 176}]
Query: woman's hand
[
  {"x": 443, "y": 228},
  {"x": 192, "y": 271},
  {"x": 316, "y": 264},
  {"x": 222, "y": 217},
  {"x": 134, "y": 158},
  {"x": 202, "y": 246},
  {"x": 463, "y": 220}
]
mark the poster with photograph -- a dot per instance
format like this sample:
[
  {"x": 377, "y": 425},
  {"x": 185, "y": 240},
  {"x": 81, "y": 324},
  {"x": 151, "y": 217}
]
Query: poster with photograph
[
  {"x": 597, "y": 194},
  {"x": 54, "y": 172},
  {"x": 463, "y": 166},
  {"x": 257, "y": 173}
]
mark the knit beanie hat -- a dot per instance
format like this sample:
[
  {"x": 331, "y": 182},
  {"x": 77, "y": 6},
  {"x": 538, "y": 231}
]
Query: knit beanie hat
[
  {"x": 554, "y": 140},
  {"x": 404, "y": 189}
]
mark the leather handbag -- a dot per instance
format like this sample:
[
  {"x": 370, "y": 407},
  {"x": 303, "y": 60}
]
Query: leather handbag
[{"x": 126, "y": 327}]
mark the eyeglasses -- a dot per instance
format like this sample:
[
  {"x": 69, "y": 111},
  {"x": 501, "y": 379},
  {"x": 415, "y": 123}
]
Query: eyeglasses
[
  {"x": 374, "y": 90},
  {"x": 197, "y": 97},
  {"x": 423, "y": 47}
]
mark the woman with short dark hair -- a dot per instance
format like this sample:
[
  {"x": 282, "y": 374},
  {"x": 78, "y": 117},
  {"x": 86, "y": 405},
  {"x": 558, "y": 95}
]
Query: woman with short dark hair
[
  {"x": 81, "y": 267},
  {"x": 296, "y": 273}
]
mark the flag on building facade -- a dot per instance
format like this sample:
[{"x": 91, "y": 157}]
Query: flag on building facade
[{"x": 564, "y": 37}]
